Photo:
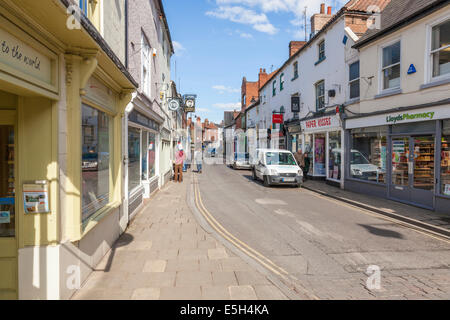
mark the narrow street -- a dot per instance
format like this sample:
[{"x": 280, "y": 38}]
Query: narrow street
[{"x": 325, "y": 245}]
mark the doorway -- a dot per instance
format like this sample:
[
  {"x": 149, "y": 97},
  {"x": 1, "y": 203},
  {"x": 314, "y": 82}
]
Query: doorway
[
  {"x": 8, "y": 218},
  {"x": 413, "y": 170}
]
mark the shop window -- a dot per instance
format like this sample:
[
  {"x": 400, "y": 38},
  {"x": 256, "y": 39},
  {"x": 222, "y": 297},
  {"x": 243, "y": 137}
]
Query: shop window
[
  {"x": 144, "y": 155},
  {"x": 440, "y": 49},
  {"x": 369, "y": 154},
  {"x": 445, "y": 159},
  {"x": 354, "y": 80},
  {"x": 95, "y": 161},
  {"x": 391, "y": 67},
  {"x": 134, "y": 158},
  {"x": 335, "y": 155},
  {"x": 320, "y": 95},
  {"x": 151, "y": 155},
  {"x": 319, "y": 155}
]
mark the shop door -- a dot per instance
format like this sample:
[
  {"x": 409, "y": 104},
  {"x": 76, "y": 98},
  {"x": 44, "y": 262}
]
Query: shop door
[
  {"x": 413, "y": 170},
  {"x": 8, "y": 221}
]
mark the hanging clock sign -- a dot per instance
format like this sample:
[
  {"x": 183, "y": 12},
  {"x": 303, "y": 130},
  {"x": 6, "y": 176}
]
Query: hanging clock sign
[{"x": 174, "y": 104}]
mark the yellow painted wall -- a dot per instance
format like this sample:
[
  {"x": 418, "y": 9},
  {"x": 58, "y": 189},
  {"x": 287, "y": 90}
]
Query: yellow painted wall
[{"x": 37, "y": 161}]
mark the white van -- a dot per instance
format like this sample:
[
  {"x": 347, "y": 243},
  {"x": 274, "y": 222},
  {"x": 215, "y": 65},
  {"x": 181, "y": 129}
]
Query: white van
[{"x": 277, "y": 167}]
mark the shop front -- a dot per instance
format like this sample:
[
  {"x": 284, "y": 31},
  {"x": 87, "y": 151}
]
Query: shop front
[
  {"x": 143, "y": 159},
  {"x": 323, "y": 139},
  {"x": 404, "y": 156}
]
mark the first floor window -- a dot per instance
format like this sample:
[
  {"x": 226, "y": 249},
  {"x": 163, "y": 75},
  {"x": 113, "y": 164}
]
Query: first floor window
[
  {"x": 354, "y": 80},
  {"x": 295, "y": 70},
  {"x": 282, "y": 82},
  {"x": 320, "y": 95},
  {"x": 391, "y": 66},
  {"x": 368, "y": 154},
  {"x": 440, "y": 49},
  {"x": 134, "y": 158},
  {"x": 274, "y": 88},
  {"x": 322, "y": 50},
  {"x": 445, "y": 158},
  {"x": 146, "y": 66},
  {"x": 95, "y": 161}
]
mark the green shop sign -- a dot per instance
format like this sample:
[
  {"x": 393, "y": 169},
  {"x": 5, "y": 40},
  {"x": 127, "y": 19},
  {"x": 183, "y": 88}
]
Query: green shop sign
[{"x": 407, "y": 116}]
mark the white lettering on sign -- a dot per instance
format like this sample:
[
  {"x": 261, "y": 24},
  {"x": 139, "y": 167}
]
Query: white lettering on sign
[
  {"x": 321, "y": 123},
  {"x": 20, "y": 56}
]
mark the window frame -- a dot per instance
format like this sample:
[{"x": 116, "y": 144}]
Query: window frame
[
  {"x": 351, "y": 81},
  {"x": 274, "y": 88},
  {"x": 381, "y": 73},
  {"x": 112, "y": 182},
  {"x": 146, "y": 66},
  {"x": 295, "y": 67},
  {"x": 281, "y": 82},
  {"x": 321, "y": 52},
  {"x": 429, "y": 78},
  {"x": 316, "y": 86}
]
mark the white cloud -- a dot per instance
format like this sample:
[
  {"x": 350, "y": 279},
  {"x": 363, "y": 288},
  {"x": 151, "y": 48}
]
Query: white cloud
[
  {"x": 246, "y": 35},
  {"x": 178, "y": 47},
  {"x": 241, "y": 15},
  {"x": 228, "y": 106},
  {"x": 222, "y": 89}
]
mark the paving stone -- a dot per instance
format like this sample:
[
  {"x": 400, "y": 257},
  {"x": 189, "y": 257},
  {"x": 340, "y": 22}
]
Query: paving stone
[
  {"x": 235, "y": 264},
  {"x": 224, "y": 278},
  {"x": 215, "y": 293},
  {"x": 269, "y": 292},
  {"x": 182, "y": 264},
  {"x": 146, "y": 294},
  {"x": 191, "y": 278},
  {"x": 242, "y": 293},
  {"x": 193, "y": 253},
  {"x": 181, "y": 293},
  {"x": 155, "y": 266},
  {"x": 217, "y": 254},
  {"x": 210, "y": 265}
]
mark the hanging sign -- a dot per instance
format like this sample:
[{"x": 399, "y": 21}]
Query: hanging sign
[
  {"x": 35, "y": 198},
  {"x": 295, "y": 104},
  {"x": 174, "y": 104},
  {"x": 189, "y": 102},
  {"x": 277, "y": 118}
]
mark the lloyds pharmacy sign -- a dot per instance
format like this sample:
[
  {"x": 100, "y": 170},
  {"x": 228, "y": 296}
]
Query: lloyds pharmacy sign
[{"x": 408, "y": 116}]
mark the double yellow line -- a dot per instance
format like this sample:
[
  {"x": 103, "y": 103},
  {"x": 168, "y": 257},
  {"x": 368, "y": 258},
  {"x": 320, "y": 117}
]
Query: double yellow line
[{"x": 249, "y": 251}]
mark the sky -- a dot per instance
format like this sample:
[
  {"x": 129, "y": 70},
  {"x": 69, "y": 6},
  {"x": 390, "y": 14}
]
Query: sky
[{"x": 218, "y": 42}]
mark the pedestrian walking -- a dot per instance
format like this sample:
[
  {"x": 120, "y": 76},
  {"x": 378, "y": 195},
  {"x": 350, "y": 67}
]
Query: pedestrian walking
[
  {"x": 307, "y": 164},
  {"x": 179, "y": 160},
  {"x": 198, "y": 157}
]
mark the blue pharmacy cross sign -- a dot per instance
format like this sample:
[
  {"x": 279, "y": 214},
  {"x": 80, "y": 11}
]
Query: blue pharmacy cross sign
[{"x": 412, "y": 69}]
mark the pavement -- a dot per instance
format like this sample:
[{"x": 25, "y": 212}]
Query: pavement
[
  {"x": 328, "y": 247},
  {"x": 439, "y": 222},
  {"x": 166, "y": 255}
]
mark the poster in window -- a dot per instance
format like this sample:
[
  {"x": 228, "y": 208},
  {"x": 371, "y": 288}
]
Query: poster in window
[
  {"x": 5, "y": 217},
  {"x": 447, "y": 189},
  {"x": 35, "y": 197},
  {"x": 319, "y": 156}
]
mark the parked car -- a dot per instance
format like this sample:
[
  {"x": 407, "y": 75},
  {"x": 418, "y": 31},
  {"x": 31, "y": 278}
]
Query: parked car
[
  {"x": 277, "y": 167},
  {"x": 241, "y": 161}
]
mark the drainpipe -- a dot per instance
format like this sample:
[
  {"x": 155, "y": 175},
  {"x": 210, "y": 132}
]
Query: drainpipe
[{"x": 126, "y": 34}]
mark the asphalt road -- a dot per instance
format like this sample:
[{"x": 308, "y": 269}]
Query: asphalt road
[{"x": 326, "y": 245}]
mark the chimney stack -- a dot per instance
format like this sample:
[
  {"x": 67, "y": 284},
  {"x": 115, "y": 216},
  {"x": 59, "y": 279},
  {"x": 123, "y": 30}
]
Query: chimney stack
[
  {"x": 294, "y": 46},
  {"x": 320, "y": 19}
]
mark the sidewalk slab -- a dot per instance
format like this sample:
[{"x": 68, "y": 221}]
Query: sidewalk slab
[{"x": 166, "y": 255}]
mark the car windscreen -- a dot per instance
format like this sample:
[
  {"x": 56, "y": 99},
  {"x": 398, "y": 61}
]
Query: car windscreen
[
  {"x": 280, "y": 159},
  {"x": 358, "y": 158}
]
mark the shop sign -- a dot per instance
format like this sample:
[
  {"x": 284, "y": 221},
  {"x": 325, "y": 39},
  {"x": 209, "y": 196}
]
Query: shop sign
[
  {"x": 138, "y": 118},
  {"x": 174, "y": 104},
  {"x": 320, "y": 124},
  {"x": 189, "y": 102},
  {"x": 21, "y": 57},
  {"x": 100, "y": 93},
  {"x": 295, "y": 104},
  {"x": 425, "y": 114}
]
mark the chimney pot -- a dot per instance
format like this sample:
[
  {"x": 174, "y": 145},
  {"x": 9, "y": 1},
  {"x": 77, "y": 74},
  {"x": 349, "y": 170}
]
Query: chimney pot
[
  {"x": 322, "y": 8},
  {"x": 329, "y": 11}
]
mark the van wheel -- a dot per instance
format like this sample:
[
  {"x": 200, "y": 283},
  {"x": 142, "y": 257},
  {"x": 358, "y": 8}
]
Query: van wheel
[{"x": 266, "y": 181}]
